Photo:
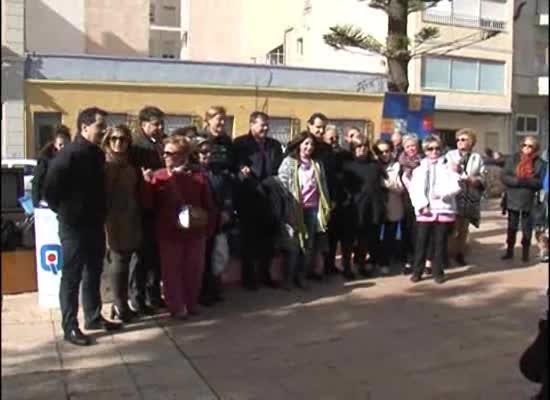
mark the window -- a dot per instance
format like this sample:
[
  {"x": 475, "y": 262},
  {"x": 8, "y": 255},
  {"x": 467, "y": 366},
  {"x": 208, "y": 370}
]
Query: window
[
  {"x": 174, "y": 121},
  {"x": 463, "y": 74},
  {"x": 280, "y": 128},
  {"x": 487, "y": 14},
  {"x": 527, "y": 125},
  {"x": 542, "y": 7},
  {"x": 343, "y": 125},
  {"x": 44, "y": 125},
  {"x": 300, "y": 46},
  {"x": 116, "y": 119},
  {"x": 165, "y": 44},
  {"x": 276, "y": 56},
  {"x": 165, "y": 13},
  {"x": 167, "y": 34}
]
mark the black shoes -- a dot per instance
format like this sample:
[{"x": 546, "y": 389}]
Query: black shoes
[
  {"x": 140, "y": 309},
  {"x": 313, "y": 276},
  {"x": 348, "y": 275},
  {"x": 300, "y": 284},
  {"x": 525, "y": 254},
  {"x": 440, "y": 279},
  {"x": 102, "y": 324},
  {"x": 415, "y": 278},
  {"x": 428, "y": 270},
  {"x": 124, "y": 315},
  {"x": 460, "y": 260},
  {"x": 76, "y": 337},
  {"x": 508, "y": 255}
]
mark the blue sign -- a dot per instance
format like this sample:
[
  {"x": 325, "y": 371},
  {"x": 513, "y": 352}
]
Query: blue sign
[
  {"x": 407, "y": 113},
  {"x": 51, "y": 258}
]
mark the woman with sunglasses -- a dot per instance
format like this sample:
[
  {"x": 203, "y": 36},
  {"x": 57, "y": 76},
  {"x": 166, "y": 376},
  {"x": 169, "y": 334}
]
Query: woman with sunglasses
[
  {"x": 363, "y": 180},
  {"x": 395, "y": 208},
  {"x": 433, "y": 189},
  {"x": 523, "y": 176},
  {"x": 184, "y": 218},
  {"x": 123, "y": 224},
  {"x": 470, "y": 166},
  {"x": 304, "y": 177}
]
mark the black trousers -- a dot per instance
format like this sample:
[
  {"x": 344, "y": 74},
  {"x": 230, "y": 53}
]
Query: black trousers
[
  {"x": 408, "y": 233},
  {"x": 514, "y": 219},
  {"x": 119, "y": 269},
  {"x": 211, "y": 285},
  {"x": 389, "y": 243},
  {"x": 83, "y": 252},
  {"x": 433, "y": 234},
  {"x": 256, "y": 255},
  {"x": 145, "y": 277},
  {"x": 368, "y": 240}
]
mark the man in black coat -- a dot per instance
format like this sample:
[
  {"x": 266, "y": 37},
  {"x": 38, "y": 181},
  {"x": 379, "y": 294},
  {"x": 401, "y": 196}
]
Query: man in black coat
[
  {"x": 146, "y": 152},
  {"x": 258, "y": 157},
  {"x": 75, "y": 190}
]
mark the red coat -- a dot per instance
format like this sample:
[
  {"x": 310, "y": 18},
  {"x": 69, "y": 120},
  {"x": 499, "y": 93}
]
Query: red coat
[{"x": 166, "y": 194}]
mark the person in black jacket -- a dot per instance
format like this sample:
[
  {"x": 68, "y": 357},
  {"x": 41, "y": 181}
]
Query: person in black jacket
[
  {"x": 222, "y": 155},
  {"x": 258, "y": 158},
  {"x": 61, "y": 137},
  {"x": 363, "y": 180},
  {"x": 523, "y": 177},
  {"x": 146, "y": 153},
  {"x": 75, "y": 190}
]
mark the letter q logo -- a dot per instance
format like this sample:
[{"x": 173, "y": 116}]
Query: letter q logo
[{"x": 51, "y": 258}]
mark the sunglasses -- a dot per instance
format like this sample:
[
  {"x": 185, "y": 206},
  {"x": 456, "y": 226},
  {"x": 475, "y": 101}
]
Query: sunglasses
[
  {"x": 384, "y": 151},
  {"x": 169, "y": 153},
  {"x": 528, "y": 145},
  {"x": 462, "y": 139},
  {"x": 121, "y": 139},
  {"x": 433, "y": 149}
]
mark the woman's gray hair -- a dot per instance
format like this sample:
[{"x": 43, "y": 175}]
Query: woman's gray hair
[
  {"x": 409, "y": 137},
  {"x": 429, "y": 140},
  {"x": 331, "y": 127}
]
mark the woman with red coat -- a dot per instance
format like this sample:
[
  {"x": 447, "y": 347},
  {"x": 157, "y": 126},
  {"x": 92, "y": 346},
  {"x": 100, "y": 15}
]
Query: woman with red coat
[{"x": 184, "y": 218}]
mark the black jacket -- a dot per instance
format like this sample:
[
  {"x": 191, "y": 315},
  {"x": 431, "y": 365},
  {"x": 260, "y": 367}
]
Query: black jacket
[
  {"x": 145, "y": 153},
  {"x": 247, "y": 153},
  {"x": 75, "y": 185},
  {"x": 38, "y": 181},
  {"x": 363, "y": 182},
  {"x": 520, "y": 193},
  {"x": 222, "y": 154}
]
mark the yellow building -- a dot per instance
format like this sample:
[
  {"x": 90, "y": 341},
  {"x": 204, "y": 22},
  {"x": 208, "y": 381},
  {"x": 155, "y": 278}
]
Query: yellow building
[{"x": 58, "y": 87}]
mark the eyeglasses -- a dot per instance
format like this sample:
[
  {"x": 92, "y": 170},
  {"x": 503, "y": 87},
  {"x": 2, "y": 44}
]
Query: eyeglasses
[
  {"x": 121, "y": 139},
  {"x": 433, "y": 149},
  {"x": 528, "y": 145},
  {"x": 462, "y": 139}
]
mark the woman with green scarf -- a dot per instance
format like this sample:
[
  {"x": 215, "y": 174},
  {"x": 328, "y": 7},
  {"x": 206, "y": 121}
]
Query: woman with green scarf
[{"x": 304, "y": 177}]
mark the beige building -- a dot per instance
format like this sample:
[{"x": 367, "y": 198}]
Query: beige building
[{"x": 13, "y": 53}]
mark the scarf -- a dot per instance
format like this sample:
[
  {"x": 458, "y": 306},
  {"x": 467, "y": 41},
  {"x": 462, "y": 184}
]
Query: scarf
[
  {"x": 526, "y": 166},
  {"x": 408, "y": 164}
]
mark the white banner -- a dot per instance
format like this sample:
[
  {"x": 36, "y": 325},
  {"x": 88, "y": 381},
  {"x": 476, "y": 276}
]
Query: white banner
[{"x": 49, "y": 258}]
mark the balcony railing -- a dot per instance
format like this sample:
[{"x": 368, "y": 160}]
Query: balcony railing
[{"x": 469, "y": 21}]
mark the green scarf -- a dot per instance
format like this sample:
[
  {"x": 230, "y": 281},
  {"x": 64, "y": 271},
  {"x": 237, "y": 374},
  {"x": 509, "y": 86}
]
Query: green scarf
[{"x": 324, "y": 207}]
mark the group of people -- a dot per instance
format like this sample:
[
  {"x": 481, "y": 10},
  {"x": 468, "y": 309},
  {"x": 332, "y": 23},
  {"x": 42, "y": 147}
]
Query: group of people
[{"x": 163, "y": 208}]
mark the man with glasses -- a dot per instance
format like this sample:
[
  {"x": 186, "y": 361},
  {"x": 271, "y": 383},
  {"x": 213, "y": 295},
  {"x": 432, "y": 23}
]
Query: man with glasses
[
  {"x": 75, "y": 190},
  {"x": 146, "y": 152},
  {"x": 469, "y": 165}
]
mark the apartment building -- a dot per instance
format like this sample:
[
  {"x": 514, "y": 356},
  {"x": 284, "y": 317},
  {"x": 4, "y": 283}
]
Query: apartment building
[
  {"x": 13, "y": 51},
  {"x": 530, "y": 78}
]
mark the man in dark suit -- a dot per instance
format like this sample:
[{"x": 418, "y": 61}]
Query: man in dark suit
[
  {"x": 144, "y": 282},
  {"x": 258, "y": 157},
  {"x": 75, "y": 190}
]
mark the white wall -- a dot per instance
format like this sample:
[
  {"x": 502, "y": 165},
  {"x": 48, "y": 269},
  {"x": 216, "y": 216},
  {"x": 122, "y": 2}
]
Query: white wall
[{"x": 55, "y": 26}]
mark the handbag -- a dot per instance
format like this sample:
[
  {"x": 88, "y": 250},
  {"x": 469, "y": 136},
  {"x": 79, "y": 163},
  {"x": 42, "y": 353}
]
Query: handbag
[
  {"x": 189, "y": 217},
  {"x": 220, "y": 254}
]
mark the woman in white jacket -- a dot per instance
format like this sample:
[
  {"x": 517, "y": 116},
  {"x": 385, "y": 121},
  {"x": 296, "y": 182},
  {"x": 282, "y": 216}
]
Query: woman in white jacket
[
  {"x": 395, "y": 208},
  {"x": 433, "y": 189}
]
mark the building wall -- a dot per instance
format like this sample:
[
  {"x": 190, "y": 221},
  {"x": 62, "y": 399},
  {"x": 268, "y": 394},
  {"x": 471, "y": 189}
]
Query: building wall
[
  {"x": 64, "y": 21},
  {"x": 498, "y": 48},
  {"x": 69, "y": 98},
  {"x": 117, "y": 28},
  {"x": 13, "y": 134}
]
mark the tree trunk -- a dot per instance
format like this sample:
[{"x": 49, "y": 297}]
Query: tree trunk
[{"x": 398, "y": 56}]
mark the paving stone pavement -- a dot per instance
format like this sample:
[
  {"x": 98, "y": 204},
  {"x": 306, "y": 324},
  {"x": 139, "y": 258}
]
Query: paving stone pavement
[{"x": 376, "y": 339}]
